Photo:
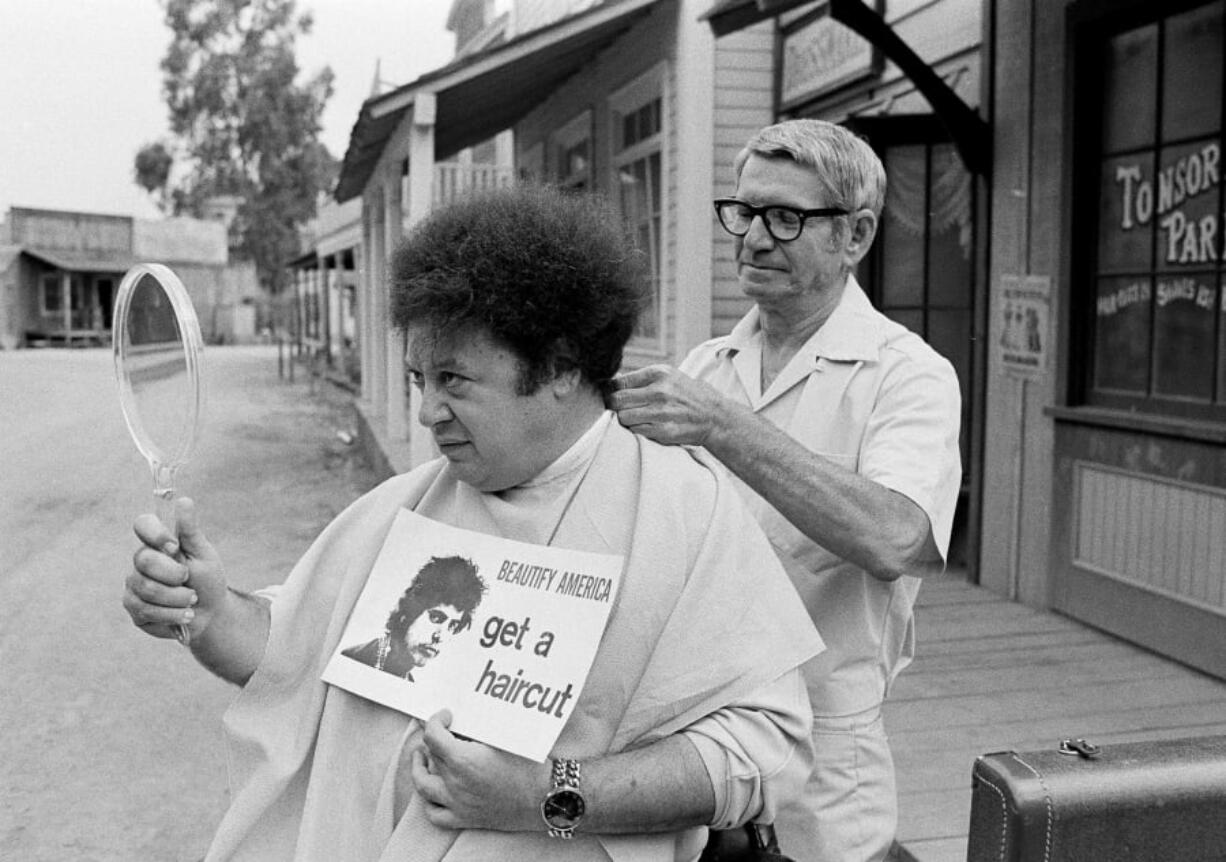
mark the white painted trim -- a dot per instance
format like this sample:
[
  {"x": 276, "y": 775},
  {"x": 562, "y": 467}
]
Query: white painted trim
[
  {"x": 642, "y": 89},
  {"x": 695, "y": 137}
]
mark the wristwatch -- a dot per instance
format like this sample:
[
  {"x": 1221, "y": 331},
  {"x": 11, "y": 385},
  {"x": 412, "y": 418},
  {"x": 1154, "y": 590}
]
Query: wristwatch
[{"x": 564, "y": 805}]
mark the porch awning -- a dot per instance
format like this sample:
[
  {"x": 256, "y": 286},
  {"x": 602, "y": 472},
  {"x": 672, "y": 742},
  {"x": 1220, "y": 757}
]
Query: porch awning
[
  {"x": 304, "y": 261},
  {"x": 489, "y": 91},
  {"x": 75, "y": 261},
  {"x": 728, "y": 16},
  {"x": 970, "y": 132}
]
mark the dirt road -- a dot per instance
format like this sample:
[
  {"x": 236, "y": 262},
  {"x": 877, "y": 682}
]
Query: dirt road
[{"x": 111, "y": 744}]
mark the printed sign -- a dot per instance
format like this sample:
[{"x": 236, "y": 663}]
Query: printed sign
[
  {"x": 1024, "y": 326},
  {"x": 502, "y": 633},
  {"x": 1183, "y": 198},
  {"x": 820, "y": 56}
]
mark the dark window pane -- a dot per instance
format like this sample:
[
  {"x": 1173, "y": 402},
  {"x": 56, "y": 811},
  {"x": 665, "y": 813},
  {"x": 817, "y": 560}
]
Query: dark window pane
[
  {"x": 1183, "y": 335},
  {"x": 1189, "y": 188},
  {"x": 653, "y": 171},
  {"x": 1121, "y": 338},
  {"x": 1126, "y": 214},
  {"x": 949, "y": 333},
  {"x": 913, "y": 319},
  {"x": 1221, "y": 347},
  {"x": 1130, "y": 89},
  {"x": 903, "y": 225},
  {"x": 1192, "y": 73},
  {"x": 950, "y": 241},
  {"x": 52, "y": 293}
]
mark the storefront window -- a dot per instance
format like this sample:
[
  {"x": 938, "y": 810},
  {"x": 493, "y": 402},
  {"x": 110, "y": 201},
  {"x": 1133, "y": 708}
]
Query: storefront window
[
  {"x": 1155, "y": 314},
  {"x": 637, "y": 162}
]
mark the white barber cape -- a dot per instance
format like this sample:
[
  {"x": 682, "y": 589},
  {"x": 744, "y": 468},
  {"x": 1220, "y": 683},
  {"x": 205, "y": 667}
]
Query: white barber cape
[{"x": 704, "y": 618}]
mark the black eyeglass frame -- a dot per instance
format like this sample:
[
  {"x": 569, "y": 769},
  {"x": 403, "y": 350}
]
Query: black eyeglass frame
[{"x": 754, "y": 212}]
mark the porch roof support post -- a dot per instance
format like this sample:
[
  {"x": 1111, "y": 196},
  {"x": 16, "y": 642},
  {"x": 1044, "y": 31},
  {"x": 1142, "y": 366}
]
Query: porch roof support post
[
  {"x": 420, "y": 194},
  {"x": 66, "y": 304},
  {"x": 376, "y": 293},
  {"x": 362, "y": 297},
  {"x": 393, "y": 229},
  {"x": 695, "y": 108}
]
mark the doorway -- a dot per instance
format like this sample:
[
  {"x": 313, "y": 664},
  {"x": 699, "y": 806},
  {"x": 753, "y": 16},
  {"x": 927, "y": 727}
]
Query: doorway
[{"x": 922, "y": 273}]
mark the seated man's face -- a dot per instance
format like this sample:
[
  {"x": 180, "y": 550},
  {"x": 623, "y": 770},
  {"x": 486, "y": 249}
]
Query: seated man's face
[
  {"x": 494, "y": 437},
  {"x": 426, "y": 634}
]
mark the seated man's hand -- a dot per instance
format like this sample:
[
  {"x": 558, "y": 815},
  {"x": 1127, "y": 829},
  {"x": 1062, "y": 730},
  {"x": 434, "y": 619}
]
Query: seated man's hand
[
  {"x": 174, "y": 580},
  {"x": 664, "y": 405},
  {"x": 469, "y": 785}
]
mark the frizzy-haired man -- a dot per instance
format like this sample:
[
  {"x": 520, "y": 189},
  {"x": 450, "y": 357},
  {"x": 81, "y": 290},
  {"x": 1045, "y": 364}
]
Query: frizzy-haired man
[{"x": 516, "y": 306}]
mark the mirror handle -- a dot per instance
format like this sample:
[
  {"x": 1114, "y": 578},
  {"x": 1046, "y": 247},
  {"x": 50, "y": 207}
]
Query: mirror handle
[{"x": 164, "y": 493}]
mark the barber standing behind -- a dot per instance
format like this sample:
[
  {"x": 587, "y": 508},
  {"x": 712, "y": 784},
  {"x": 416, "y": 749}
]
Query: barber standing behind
[{"x": 842, "y": 427}]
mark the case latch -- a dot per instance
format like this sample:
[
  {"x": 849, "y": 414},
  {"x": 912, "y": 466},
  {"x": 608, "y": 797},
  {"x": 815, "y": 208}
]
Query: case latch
[{"x": 1080, "y": 747}]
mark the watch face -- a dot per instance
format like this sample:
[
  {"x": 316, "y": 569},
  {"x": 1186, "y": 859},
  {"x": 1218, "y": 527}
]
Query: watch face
[{"x": 563, "y": 808}]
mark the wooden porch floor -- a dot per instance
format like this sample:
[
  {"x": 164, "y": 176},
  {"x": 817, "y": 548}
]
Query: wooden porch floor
[{"x": 994, "y": 675}]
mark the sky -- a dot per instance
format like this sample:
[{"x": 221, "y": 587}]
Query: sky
[{"x": 80, "y": 88}]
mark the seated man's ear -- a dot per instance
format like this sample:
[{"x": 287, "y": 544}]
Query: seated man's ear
[
  {"x": 566, "y": 374},
  {"x": 566, "y": 381}
]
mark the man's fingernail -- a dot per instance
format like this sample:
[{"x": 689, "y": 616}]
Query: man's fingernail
[
  {"x": 192, "y": 601},
  {"x": 170, "y": 549},
  {"x": 189, "y": 615}
]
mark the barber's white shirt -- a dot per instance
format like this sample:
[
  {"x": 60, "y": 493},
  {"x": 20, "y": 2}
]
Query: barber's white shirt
[{"x": 873, "y": 397}]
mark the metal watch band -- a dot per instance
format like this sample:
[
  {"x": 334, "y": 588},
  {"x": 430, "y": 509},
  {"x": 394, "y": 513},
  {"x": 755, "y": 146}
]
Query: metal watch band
[
  {"x": 566, "y": 776},
  {"x": 566, "y": 773}
]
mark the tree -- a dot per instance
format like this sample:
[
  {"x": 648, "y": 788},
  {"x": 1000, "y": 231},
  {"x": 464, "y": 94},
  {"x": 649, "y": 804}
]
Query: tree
[
  {"x": 242, "y": 125},
  {"x": 153, "y": 164}
]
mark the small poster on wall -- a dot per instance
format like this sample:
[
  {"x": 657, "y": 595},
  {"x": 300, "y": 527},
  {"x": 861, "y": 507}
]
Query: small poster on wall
[
  {"x": 502, "y": 633},
  {"x": 1024, "y": 327}
]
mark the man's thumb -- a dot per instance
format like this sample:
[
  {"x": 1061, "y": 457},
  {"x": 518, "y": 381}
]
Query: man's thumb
[{"x": 191, "y": 539}]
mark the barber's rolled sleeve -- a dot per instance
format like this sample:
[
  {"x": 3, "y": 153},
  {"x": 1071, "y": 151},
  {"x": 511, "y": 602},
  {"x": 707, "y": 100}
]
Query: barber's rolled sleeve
[
  {"x": 758, "y": 751},
  {"x": 911, "y": 440}
]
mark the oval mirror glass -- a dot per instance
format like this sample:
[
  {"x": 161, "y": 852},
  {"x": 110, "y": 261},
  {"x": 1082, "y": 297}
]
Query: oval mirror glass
[{"x": 158, "y": 352}]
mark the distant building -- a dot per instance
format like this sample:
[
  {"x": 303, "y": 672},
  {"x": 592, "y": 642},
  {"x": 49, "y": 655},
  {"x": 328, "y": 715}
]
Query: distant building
[
  {"x": 60, "y": 271},
  {"x": 325, "y": 279}
]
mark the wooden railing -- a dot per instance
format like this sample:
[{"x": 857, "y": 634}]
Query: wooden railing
[{"x": 453, "y": 180}]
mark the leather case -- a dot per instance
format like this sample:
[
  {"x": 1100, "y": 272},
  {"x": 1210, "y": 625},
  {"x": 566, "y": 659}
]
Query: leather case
[{"x": 1161, "y": 801}]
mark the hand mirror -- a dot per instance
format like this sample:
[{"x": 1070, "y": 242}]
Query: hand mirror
[{"x": 158, "y": 353}]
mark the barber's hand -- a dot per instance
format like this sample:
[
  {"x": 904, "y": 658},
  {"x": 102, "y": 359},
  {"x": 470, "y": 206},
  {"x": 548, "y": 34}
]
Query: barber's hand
[
  {"x": 175, "y": 579},
  {"x": 469, "y": 785},
  {"x": 665, "y": 405}
]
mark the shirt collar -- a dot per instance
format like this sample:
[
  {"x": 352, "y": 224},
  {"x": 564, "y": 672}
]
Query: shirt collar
[{"x": 852, "y": 332}]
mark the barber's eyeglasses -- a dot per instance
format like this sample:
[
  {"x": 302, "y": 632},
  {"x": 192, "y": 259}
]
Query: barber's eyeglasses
[{"x": 784, "y": 224}]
